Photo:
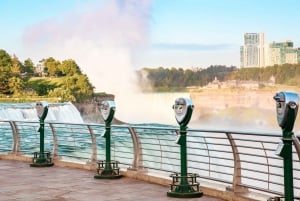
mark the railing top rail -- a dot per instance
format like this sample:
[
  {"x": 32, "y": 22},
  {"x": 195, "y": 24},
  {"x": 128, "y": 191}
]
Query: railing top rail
[
  {"x": 269, "y": 133},
  {"x": 166, "y": 127}
]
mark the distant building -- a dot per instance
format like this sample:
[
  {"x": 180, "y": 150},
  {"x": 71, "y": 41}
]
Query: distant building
[
  {"x": 245, "y": 84},
  {"x": 252, "y": 53},
  {"x": 283, "y": 53}
]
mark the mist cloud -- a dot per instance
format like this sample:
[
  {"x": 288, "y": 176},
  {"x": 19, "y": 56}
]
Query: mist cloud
[
  {"x": 115, "y": 22},
  {"x": 103, "y": 40},
  {"x": 98, "y": 37}
]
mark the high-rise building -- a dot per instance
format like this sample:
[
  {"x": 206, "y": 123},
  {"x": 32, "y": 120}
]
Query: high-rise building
[
  {"x": 282, "y": 53},
  {"x": 253, "y": 50}
]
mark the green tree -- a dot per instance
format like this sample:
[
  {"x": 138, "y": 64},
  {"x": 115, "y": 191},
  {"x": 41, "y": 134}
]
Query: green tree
[
  {"x": 79, "y": 86},
  {"x": 16, "y": 86},
  {"x": 69, "y": 68},
  {"x": 52, "y": 66},
  {"x": 188, "y": 77},
  {"x": 5, "y": 71},
  {"x": 28, "y": 67},
  {"x": 62, "y": 94},
  {"x": 16, "y": 66},
  {"x": 84, "y": 88}
]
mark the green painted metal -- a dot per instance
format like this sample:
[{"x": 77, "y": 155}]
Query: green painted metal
[
  {"x": 184, "y": 189},
  {"x": 108, "y": 172},
  {"x": 42, "y": 159},
  {"x": 42, "y": 138},
  {"x": 287, "y": 155},
  {"x": 287, "y": 108}
]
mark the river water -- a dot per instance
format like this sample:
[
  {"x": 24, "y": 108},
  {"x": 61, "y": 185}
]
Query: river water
[
  {"x": 58, "y": 112},
  {"x": 156, "y": 108}
]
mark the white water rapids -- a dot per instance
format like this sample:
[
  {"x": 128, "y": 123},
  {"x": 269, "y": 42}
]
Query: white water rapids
[{"x": 57, "y": 112}]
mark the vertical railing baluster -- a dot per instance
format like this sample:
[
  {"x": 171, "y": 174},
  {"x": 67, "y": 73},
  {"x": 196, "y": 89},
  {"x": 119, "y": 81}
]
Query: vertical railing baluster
[
  {"x": 15, "y": 146},
  {"x": 297, "y": 146},
  {"x": 208, "y": 155},
  {"x": 267, "y": 164},
  {"x": 137, "y": 163},
  {"x": 55, "y": 142},
  {"x": 94, "y": 145},
  {"x": 237, "y": 176}
]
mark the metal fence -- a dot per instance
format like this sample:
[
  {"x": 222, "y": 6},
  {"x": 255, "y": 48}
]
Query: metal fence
[{"x": 241, "y": 161}]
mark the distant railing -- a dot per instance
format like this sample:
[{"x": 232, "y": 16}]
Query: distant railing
[{"x": 240, "y": 161}]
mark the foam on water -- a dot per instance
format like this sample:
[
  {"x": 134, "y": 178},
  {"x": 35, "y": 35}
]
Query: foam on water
[{"x": 58, "y": 112}]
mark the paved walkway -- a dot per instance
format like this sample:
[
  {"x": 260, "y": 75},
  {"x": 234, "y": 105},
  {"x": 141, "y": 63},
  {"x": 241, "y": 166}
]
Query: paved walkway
[{"x": 19, "y": 181}]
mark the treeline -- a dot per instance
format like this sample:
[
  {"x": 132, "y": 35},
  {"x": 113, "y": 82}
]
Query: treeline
[
  {"x": 287, "y": 74},
  {"x": 65, "y": 81},
  {"x": 175, "y": 79},
  {"x": 49, "y": 78},
  {"x": 164, "y": 79}
]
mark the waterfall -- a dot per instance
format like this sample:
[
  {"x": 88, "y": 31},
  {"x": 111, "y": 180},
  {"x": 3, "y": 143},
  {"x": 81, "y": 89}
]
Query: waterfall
[{"x": 57, "y": 112}]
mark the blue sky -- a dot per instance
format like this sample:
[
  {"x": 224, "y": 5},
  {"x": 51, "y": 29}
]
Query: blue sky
[
  {"x": 109, "y": 39},
  {"x": 143, "y": 33}
]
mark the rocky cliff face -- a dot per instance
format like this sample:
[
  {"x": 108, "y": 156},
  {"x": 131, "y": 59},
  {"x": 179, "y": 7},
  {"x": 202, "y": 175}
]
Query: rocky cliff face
[
  {"x": 89, "y": 110},
  {"x": 220, "y": 109}
]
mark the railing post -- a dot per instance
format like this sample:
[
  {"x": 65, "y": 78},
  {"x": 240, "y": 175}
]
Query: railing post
[
  {"x": 297, "y": 146},
  {"x": 94, "y": 146},
  {"x": 237, "y": 175},
  {"x": 137, "y": 163},
  {"x": 55, "y": 142},
  {"x": 15, "y": 146}
]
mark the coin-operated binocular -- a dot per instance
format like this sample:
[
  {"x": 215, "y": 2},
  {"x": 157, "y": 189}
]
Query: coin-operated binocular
[
  {"x": 183, "y": 109},
  {"x": 287, "y": 104},
  {"x": 181, "y": 186},
  {"x": 42, "y": 158},
  {"x": 286, "y": 108},
  {"x": 107, "y": 169},
  {"x": 42, "y": 109},
  {"x": 107, "y": 109}
]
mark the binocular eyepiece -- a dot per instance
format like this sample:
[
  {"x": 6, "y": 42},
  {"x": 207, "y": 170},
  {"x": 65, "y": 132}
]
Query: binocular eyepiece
[
  {"x": 107, "y": 109},
  {"x": 286, "y": 107},
  {"x": 183, "y": 109},
  {"x": 41, "y": 109}
]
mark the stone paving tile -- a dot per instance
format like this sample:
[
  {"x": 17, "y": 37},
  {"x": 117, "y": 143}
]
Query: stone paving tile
[{"x": 20, "y": 182}]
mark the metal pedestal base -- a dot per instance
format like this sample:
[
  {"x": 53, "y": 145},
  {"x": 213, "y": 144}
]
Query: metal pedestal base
[
  {"x": 107, "y": 176},
  {"x": 39, "y": 160},
  {"x": 108, "y": 170},
  {"x": 41, "y": 164},
  {"x": 184, "y": 186},
  {"x": 184, "y": 195}
]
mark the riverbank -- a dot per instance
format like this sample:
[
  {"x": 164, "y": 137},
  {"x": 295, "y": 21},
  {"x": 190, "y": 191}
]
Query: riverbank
[
  {"x": 214, "y": 108},
  {"x": 237, "y": 108}
]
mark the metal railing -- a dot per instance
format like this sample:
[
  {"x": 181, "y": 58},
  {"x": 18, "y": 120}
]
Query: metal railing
[{"x": 241, "y": 161}]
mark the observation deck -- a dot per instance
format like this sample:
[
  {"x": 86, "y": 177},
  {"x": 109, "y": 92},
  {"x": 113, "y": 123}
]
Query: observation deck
[
  {"x": 231, "y": 165},
  {"x": 19, "y": 182}
]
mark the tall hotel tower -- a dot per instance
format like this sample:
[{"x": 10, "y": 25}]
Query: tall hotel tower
[{"x": 253, "y": 51}]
